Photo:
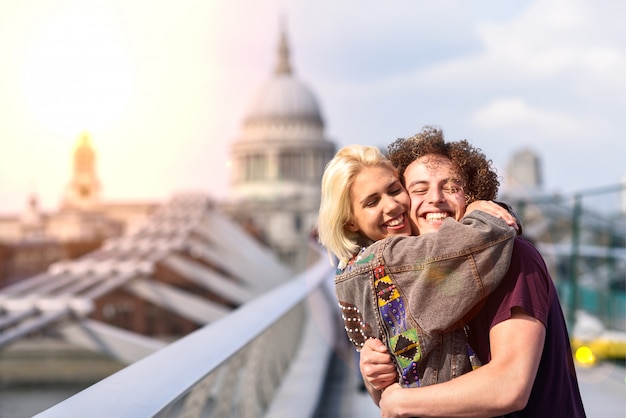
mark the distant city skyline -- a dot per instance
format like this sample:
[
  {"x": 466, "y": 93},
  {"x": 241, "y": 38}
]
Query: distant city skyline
[{"x": 163, "y": 87}]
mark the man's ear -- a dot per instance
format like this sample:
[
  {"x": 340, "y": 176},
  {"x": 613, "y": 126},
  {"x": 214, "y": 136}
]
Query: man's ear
[{"x": 350, "y": 226}]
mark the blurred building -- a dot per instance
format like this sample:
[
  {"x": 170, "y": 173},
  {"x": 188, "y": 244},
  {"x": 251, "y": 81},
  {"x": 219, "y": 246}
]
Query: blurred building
[
  {"x": 582, "y": 242},
  {"x": 278, "y": 163},
  {"x": 279, "y": 160},
  {"x": 31, "y": 240},
  {"x": 523, "y": 173}
]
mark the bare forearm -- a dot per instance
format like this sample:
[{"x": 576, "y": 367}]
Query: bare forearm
[
  {"x": 470, "y": 395},
  {"x": 499, "y": 387}
]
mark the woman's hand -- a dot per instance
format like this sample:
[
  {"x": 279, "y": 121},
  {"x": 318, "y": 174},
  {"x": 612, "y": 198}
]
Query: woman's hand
[{"x": 494, "y": 209}]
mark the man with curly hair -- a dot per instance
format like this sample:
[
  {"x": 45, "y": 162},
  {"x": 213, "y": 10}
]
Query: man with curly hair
[{"x": 519, "y": 333}]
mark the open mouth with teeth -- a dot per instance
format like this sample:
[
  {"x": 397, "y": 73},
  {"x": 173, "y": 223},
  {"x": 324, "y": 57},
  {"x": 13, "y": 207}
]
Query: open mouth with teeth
[
  {"x": 397, "y": 222},
  {"x": 436, "y": 216}
]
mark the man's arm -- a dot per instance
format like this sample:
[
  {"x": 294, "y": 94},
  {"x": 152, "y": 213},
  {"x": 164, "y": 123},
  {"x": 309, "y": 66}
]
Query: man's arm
[{"x": 501, "y": 386}]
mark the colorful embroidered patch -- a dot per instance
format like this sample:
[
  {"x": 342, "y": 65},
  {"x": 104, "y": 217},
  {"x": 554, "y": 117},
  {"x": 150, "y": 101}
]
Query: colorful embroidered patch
[
  {"x": 385, "y": 290},
  {"x": 346, "y": 265},
  {"x": 404, "y": 343},
  {"x": 390, "y": 302},
  {"x": 365, "y": 260},
  {"x": 410, "y": 377},
  {"x": 379, "y": 272},
  {"x": 394, "y": 315},
  {"x": 405, "y": 347}
]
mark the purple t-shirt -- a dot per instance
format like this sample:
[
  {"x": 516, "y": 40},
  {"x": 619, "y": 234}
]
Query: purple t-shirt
[{"x": 528, "y": 284}]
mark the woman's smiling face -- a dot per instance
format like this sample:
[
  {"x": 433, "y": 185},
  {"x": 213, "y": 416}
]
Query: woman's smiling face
[{"x": 380, "y": 204}]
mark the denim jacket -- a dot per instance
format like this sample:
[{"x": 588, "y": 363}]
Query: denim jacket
[{"x": 416, "y": 293}]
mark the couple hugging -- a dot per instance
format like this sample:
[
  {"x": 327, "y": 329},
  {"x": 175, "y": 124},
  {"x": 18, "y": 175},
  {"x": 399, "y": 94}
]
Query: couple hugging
[{"x": 434, "y": 280}]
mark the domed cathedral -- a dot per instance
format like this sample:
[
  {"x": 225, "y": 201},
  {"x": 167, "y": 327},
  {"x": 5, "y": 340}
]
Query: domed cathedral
[
  {"x": 278, "y": 161},
  {"x": 33, "y": 239}
]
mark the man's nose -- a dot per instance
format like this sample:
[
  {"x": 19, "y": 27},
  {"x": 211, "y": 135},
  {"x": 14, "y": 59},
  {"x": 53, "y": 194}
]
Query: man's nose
[{"x": 435, "y": 195}]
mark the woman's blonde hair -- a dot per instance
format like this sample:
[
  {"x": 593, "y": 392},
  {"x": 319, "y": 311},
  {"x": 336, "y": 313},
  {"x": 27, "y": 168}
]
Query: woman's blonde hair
[{"x": 335, "y": 206}]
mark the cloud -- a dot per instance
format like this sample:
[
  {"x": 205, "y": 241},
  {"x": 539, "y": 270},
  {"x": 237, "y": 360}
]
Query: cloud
[
  {"x": 547, "y": 75},
  {"x": 553, "y": 38},
  {"x": 515, "y": 114}
]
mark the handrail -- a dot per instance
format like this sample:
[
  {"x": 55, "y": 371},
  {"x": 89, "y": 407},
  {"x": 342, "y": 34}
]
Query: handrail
[{"x": 154, "y": 383}]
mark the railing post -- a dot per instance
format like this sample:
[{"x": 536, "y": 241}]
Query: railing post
[{"x": 573, "y": 268}]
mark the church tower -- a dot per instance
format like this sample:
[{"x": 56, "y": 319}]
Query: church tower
[
  {"x": 279, "y": 159},
  {"x": 83, "y": 192}
]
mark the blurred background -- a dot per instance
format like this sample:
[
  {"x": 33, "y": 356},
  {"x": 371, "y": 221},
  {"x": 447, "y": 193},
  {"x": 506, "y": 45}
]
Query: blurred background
[{"x": 123, "y": 121}]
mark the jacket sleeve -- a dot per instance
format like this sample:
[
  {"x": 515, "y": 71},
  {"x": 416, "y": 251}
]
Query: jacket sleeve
[{"x": 443, "y": 275}]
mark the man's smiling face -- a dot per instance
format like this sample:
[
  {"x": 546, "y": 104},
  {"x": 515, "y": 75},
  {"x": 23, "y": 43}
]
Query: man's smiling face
[{"x": 436, "y": 193}]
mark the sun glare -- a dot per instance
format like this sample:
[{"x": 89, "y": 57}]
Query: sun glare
[
  {"x": 77, "y": 73},
  {"x": 585, "y": 356}
]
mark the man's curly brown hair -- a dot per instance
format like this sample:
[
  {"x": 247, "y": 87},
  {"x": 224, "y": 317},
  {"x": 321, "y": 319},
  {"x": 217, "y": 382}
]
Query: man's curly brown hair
[{"x": 479, "y": 178}]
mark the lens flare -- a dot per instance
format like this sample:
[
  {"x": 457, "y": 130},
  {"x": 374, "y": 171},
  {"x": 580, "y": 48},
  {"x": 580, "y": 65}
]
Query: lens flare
[{"x": 585, "y": 356}]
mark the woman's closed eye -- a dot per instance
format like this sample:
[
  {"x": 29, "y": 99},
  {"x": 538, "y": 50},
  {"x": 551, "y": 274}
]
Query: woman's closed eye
[
  {"x": 396, "y": 191},
  {"x": 371, "y": 202}
]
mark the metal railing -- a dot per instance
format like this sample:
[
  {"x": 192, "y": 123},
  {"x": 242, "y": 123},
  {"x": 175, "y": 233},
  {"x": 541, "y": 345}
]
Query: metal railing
[{"x": 245, "y": 355}]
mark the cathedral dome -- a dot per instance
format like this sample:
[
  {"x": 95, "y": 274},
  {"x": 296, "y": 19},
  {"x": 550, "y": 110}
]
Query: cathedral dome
[
  {"x": 278, "y": 161},
  {"x": 284, "y": 98}
]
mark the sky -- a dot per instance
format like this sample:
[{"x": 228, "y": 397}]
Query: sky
[{"x": 163, "y": 86}]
